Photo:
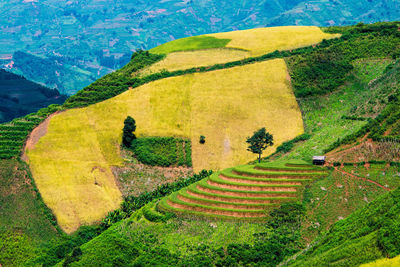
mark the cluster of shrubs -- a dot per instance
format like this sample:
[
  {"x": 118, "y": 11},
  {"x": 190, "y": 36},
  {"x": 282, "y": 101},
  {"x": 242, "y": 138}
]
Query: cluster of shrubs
[{"x": 162, "y": 151}]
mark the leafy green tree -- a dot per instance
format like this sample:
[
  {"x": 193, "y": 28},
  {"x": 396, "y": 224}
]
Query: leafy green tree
[
  {"x": 127, "y": 133},
  {"x": 260, "y": 140}
]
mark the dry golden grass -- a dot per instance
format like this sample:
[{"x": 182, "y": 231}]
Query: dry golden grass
[
  {"x": 265, "y": 40},
  {"x": 71, "y": 163},
  {"x": 384, "y": 263},
  {"x": 199, "y": 58},
  {"x": 243, "y": 44}
]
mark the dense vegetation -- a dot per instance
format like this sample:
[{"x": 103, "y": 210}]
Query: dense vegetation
[
  {"x": 368, "y": 234},
  {"x": 163, "y": 151},
  {"x": 271, "y": 242},
  {"x": 326, "y": 67}
]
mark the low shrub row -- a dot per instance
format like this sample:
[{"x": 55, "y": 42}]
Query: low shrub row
[{"x": 287, "y": 146}]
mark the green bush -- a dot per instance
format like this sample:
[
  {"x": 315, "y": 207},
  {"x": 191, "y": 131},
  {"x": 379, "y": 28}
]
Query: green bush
[{"x": 161, "y": 151}]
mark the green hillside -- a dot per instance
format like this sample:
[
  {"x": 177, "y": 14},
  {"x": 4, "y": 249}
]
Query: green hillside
[
  {"x": 368, "y": 234},
  {"x": 282, "y": 210}
]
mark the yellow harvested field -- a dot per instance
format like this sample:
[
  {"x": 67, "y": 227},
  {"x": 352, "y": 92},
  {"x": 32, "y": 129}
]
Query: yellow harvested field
[
  {"x": 265, "y": 40},
  {"x": 243, "y": 44},
  {"x": 384, "y": 262},
  {"x": 199, "y": 58},
  {"x": 71, "y": 164}
]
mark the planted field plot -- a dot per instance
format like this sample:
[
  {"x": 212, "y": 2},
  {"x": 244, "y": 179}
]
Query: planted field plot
[
  {"x": 244, "y": 192},
  {"x": 71, "y": 163},
  {"x": 225, "y": 47}
]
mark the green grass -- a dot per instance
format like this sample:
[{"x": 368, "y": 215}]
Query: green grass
[
  {"x": 24, "y": 222},
  {"x": 368, "y": 234},
  {"x": 217, "y": 179},
  {"x": 228, "y": 173},
  {"x": 161, "y": 151},
  {"x": 322, "y": 115},
  {"x": 193, "y": 188},
  {"x": 189, "y": 44}
]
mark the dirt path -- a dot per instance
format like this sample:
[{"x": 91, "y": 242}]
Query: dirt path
[
  {"x": 255, "y": 181},
  {"x": 251, "y": 188},
  {"x": 36, "y": 134},
  {"x": 233, "y": 200},
  {"x": 361, "y": 178}
]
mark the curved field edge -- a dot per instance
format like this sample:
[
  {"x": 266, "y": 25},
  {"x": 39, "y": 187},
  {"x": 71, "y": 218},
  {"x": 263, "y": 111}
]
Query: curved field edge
[
  {"x": 207, "y": 50},
  {"x": 82, "y": 187}
]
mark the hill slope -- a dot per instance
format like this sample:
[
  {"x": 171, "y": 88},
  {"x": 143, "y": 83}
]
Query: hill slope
[
  {"x": 19, "y": 96},
  {"x": 112, "y": 33},
  {"x": 225, "y": 106},
  {"x": 368, "y": 234}
]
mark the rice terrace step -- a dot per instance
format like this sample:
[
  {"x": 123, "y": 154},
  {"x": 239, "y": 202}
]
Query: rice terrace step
[{"x": 243, "y": 192}]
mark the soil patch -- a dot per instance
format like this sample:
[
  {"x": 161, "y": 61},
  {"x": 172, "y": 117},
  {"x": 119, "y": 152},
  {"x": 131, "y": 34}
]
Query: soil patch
[{"x": 36, "y": 134}]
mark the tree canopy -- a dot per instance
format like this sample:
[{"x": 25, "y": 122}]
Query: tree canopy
[{"x": 260, "y": 140}]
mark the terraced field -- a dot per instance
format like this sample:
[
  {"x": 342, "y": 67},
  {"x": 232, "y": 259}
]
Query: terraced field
[
  {"x": 207, "y": 50},
  {"x": 244, "y": 192}
]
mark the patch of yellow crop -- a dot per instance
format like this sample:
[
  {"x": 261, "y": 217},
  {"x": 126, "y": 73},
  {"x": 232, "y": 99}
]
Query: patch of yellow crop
[
  {"x": 265, "y": 40},
  {"x": 383, "y": 263},
  {"x": 72, "y": 162},
  {"x": 199, "y": 58}
]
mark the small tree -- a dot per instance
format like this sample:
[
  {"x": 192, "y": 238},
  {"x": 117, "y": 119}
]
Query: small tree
[
  {"x": 127, "y": 133},
  {"x": 260, "y": 140}
]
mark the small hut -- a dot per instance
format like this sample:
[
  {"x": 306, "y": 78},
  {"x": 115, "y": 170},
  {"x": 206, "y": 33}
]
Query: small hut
[{"x": 318, "y": 160}]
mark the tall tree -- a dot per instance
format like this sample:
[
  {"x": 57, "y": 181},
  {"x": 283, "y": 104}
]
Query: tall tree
[
  {"x": 127, "y": 133},
  {"x": 260, "y": 140}
]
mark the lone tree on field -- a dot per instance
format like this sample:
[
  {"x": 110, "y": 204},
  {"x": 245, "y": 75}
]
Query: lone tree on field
[
  {"x": 127, "y": 133},
  {"x": 260, "y": 140}
]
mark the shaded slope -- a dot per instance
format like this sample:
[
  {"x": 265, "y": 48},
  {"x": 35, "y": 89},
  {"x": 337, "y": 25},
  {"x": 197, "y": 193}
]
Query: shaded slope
[{"x": 19, "y": 96}]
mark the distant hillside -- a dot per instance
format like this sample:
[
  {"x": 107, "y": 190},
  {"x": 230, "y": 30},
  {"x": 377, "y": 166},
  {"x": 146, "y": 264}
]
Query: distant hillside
[
  {"x": 97, "y": 37},
  {"x": 19, "y": 96}
]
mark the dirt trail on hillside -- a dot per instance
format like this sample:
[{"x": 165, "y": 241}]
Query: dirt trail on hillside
[
  {"x": 361, "y": 178},
  {"x": 252, "y": 188},
  {"x": 36, "y": 134}
]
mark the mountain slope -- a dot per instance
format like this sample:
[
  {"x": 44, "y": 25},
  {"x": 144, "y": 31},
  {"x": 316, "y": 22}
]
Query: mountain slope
[
  {"x": 366, "y": 235},
  {"x": 97, "y": 37},
  {"x": 19, "y": 96}
]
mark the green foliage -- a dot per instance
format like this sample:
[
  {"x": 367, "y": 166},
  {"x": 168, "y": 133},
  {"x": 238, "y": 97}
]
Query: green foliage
[
  {"x": 368, "y": 234},
  {"x": 326, "y": 68},
  {"x": 14, "y": 133},
  {"x": 127, "y": 132},
  {"x": 287, "y": 146},
  {"x": 133, "y": 203},
  {"x": 260, "y": 140},
  {"x": 202, "y": 139},
  {"x": 162, "y": 151},
  {"x": 154, "y": 244},
  {"x": 189, "y": 44}
]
